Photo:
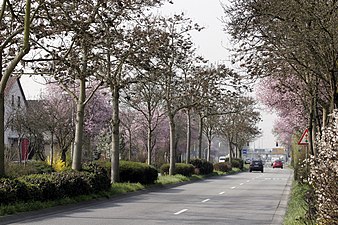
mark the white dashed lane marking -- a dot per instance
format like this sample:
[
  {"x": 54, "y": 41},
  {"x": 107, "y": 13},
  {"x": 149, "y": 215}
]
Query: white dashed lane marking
[
  {"x": 205, "y": 200},
  {"x": 221, "y": 192},
  {"x": 182, "y": 211}
]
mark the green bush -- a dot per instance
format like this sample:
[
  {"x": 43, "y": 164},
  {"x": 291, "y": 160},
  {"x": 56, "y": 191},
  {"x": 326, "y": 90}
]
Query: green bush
[
  {"x": 136, "y": 172},
  {"x": 236, "y": 162},
  {"x": 223, "y": 167},
  {"x": 180, "y": 168},
  {"x": 202, "y": 166},
  {"x": 41, "y": 187},
  {"x": 12, "y": 190},
  {"x": 45, "y": 187},
  {"x": 98, "y": 178}
]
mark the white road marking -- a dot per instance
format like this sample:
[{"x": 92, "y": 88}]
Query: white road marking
[
  {"x": 221, "y": 192},
  {"x": 241, "y": 183},
  {"x": 182, "y": 211},
  {"x": 233, "y": 187},
  {"x": 205, "y": 200},
  {"x": 248, "y": 181}
]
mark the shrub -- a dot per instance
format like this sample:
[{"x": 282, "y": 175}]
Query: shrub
[
  {"x": 98, "y": 177},
  {"x": 202, "y": 166},
  {"x": 136, "y": 172},
  {"x": 41, "y": 187},
  {"x": 180, "y": 168},
  {"x": 324, "y": 173},
  {"x": 59, "y": 165},
  {"x": 12, "y": 190},
  {"x": 223, "y": 167},
  {"x": 236, "y": 162}
]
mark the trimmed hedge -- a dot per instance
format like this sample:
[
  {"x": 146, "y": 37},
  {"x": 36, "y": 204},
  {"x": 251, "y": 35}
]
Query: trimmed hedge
[
  {"x": 180, "y": 168},
  {"x": 236, "y": 162},
  {"x": 202, "y": 166},
  {"x": 223, "y": 167},
  {"x": 45, "y": 187},
  {"x": 136, "y": 172}
]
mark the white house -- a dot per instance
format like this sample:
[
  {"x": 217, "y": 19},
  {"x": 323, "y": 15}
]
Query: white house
[{"x": 15, "y": 101}]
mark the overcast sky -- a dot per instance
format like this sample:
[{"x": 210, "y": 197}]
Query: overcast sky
[{"x": 212, "y": 43}]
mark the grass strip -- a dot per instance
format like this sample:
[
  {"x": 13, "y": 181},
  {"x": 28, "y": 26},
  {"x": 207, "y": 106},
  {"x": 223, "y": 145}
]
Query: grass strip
[{"x": 297, "y": 206}]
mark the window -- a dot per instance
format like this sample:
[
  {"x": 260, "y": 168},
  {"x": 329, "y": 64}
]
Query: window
[
  {"x": 12, "y": 100},
  {"x": 19, "y": 102}
]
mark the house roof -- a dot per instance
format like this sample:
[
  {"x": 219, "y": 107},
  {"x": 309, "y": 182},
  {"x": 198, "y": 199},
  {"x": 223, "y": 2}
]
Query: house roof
[{"x": 11, "y": 81}]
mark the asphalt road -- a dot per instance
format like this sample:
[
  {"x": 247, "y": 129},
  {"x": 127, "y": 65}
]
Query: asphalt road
[{"x": 244, "y": 198}]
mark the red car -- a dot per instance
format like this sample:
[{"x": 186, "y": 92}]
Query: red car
[{"x": 277, "y": 164}]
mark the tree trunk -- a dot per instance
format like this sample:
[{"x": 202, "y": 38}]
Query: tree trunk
[
  {"x": 77, "y": 154},
  {"x": 188, "y": 136},
  {"x": 149, "y": 141},
  {"x": 200, "y": 135},
  {"x": 209, "y": 149},
  {"x": 130, "y": 146},
  {"x": 63, "y": 155},
  {"x": 115, "y": 145},
  {"x": 2, "y": 132},
  {"x": 230, "y": 149},
  {"x": 172, "y": 145},
  {"x": 52, "y": 150}
]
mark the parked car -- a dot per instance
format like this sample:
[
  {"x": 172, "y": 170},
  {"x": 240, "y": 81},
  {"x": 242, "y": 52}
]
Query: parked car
[
  {"x": 277, "y": 164},
  {"x": 256, "y": 165}
]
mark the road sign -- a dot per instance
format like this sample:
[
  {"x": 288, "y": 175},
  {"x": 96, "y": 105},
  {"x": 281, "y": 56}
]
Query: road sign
[
  {"x": 244, "y": 151},
  {"x": 304, "y": 140}
]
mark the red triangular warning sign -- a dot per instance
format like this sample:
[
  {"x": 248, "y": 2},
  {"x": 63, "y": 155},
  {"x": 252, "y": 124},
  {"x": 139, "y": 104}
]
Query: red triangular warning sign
[{"x": 304, "y": 140}]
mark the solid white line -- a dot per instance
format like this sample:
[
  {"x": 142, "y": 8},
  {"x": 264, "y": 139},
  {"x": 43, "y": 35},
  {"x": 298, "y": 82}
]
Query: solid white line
[
  {"x": 182, "y": 211},
  {"x": 221, "y": 192},
  {"x": 205, "y": 200}
]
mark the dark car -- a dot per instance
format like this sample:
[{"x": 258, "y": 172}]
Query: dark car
[
  {"x": 256, "y": 165},
  {"x": 277, "y": 164}
]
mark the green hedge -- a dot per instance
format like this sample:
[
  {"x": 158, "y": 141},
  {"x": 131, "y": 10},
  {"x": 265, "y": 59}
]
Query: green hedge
[
  {"x": 180, "y": 168},
  {"x": 136, "y": 172},
  {"x": 45, "y": 187},
  {"x": 202, "y": 166},
  {"x": 223, "y": 167},
  {"x": 236, "y": 162}
]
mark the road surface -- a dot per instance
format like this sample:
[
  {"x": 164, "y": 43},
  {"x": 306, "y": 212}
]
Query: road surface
[{"x": 244, "y": 198}]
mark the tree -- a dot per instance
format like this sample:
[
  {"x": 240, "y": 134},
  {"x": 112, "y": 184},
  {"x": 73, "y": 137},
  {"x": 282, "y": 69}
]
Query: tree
[
  {"x": 123, "y": 46},
  {"x": 172, "y": 56},
  {"x": 146, "y": 98},
  {"x": 240, "y": 127},
  {"x": 14, "y": 32},
  {"x": 222, "y": 84},
  {"x": 302, "y": 37},
  {"x": 69, "y": 45},
  {"x": 276, "y": 94}
]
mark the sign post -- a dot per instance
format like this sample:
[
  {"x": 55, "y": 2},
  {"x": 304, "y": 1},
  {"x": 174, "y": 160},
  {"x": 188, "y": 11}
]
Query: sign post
[{"x": 304, "y": 140}]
